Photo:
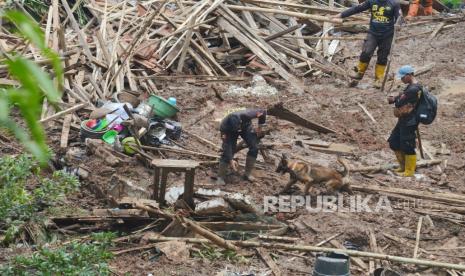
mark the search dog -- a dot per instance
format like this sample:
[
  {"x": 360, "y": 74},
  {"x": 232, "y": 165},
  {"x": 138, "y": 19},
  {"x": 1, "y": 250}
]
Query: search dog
[{"x": 311, "y": 174}]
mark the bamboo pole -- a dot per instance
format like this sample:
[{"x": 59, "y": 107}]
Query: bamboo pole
[
  {"x": 309, "y": 248},
  {"x": 439, "y": 197},
  {"x": 210, "y": 236}
]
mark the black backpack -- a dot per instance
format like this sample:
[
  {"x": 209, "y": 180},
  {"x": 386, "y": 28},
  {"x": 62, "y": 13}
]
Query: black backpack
[{"x": 427, "y": 107}]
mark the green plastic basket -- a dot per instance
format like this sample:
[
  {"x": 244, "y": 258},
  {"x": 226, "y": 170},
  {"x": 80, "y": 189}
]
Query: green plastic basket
[{"x": 161, "y": 107}]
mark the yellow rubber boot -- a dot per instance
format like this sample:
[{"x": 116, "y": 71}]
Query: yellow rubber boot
[
  {"x": 401, "y": 159},
  {"x": 410, "y": 165},
  {"x": 360, "y": 70},
  {"x": 379, "y": 75}
]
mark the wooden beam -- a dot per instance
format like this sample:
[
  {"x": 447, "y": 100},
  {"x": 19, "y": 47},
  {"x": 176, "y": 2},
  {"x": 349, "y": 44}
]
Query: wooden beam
[{"x": 280, "y": 112}]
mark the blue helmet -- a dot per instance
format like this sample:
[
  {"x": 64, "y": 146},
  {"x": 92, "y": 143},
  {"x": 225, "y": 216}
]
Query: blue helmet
[{"x": 405, "y": 70}]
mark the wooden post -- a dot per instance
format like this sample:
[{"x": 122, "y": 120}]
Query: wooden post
[
  {"x": 164, "y": 179},
  {"x": 156, "y": 183},
  {"x": 189, "y": 187},
  {"x": 419, "y": 144}
]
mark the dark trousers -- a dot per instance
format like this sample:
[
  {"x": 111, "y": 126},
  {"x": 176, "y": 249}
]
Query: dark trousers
[
  {"x": 369, "y": 46},
  {"x": 230, "y": 142},
  {"x": 403, "y": 138}
]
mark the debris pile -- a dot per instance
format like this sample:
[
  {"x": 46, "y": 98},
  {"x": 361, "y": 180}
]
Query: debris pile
[{"x": 131, "y": 138}]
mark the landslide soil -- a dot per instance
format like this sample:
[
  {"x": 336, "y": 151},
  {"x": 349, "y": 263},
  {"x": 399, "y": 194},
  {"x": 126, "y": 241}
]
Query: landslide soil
[{"x": 331, "y": 103}]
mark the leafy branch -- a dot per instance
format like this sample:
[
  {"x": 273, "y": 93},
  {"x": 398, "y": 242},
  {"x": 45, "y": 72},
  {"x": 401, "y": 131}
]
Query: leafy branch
[{"x": 35, "y": 86}]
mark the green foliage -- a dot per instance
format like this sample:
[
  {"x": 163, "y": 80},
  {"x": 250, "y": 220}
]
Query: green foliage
[
  {"x": 212, "y": 253},
  {"x": 37, "y": 8},
  {"x": 74, "y": 259},
  {"x": 54, "y": 189},
  {"x": 18, "y": 206},
  {"x": 104, "y": 237},
  {"x": 35, "y": 86}
]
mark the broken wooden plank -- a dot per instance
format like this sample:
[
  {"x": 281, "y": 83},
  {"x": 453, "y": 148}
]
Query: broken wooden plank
[
  {"x": 278, "y": 110},
  {"x": 65, "y": 129},
  {"x": 265, "y": 256},
  {"x": 335, "y": 148},
  {"x": 185, "y": 46},
  {"x": 367, "y": 113},
  {"x": 374, "y": 248},
  {"x": 437, "y": 30},
  {"x": 417, "y": 238},
  {"x": 76, "y": 28},
  {"x": 438, "y": 197}
]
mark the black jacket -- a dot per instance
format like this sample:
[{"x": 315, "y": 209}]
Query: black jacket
[
  {"x": 384, "y": 14},
  {"x": 410, "y": 95},
  {"x": 241, "y": 120}
]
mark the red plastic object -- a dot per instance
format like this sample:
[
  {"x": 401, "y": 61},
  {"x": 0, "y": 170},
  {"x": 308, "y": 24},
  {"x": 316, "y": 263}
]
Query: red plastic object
[{"x": 92, "y": 123}]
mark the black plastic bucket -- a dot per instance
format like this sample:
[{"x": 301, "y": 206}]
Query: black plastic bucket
[{"x": 334, "y": 264}]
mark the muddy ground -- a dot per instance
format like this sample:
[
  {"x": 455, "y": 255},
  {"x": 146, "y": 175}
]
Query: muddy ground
[{"x": 331, "y": 103}]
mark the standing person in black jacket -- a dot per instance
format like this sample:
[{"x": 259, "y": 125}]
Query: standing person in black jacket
[
  {"x": 237, "y": 124},
  {"x": 384, "y": 14},
  {"x": 402, "y": 139}
]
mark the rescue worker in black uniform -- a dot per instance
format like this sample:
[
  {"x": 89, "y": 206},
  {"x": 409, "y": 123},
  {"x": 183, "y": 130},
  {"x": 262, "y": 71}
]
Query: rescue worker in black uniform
[
  {"x": 237, "y": 124},
  {"x": 384, "y": 14},
  {"x": 402, "y": 139}
]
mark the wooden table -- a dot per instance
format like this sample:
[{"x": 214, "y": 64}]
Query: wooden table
[{"x": 164, "y": 166}]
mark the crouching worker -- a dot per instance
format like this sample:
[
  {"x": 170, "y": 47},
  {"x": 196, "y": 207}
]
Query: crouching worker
[
  {"x": 237, "y": 124},
  {"x": 402, "y": 139}
]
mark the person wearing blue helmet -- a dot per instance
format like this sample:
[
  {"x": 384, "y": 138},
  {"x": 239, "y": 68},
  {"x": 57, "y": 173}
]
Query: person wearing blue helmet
[
  {"x": 402, "y": 138},
  {"x": 384, "y": 14},
  {"x": 237, "y": 124}
]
